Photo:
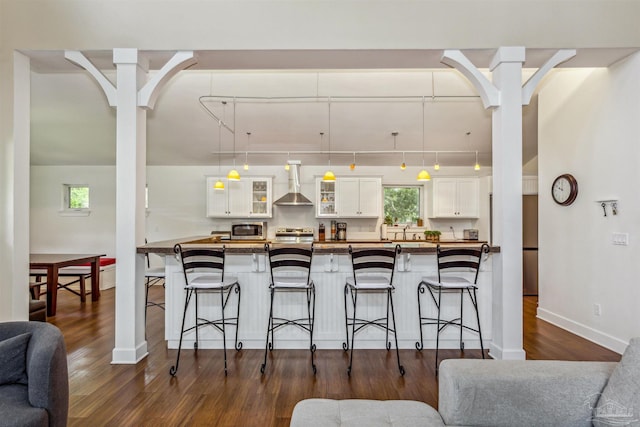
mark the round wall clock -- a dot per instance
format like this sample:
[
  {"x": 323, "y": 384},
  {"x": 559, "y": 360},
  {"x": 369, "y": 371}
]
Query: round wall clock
[{"x": 564, "y": 189}]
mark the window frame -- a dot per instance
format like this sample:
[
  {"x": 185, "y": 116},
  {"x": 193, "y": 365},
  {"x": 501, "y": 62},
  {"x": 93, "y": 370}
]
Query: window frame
[
  {"x": 421, "y": 200},
  {"x": 67, "y": 210}
]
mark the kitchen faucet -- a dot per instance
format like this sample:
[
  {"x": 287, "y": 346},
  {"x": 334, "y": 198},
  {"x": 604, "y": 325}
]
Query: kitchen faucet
[{"x": 404, "y": 232}]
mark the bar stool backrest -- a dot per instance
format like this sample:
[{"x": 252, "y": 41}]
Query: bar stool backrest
[
  {"x": 468, "y": 259},
  {"x": 377, "y": 261},
  {"x": 287, "y": 260},
  {"x": 198, "y": 261}
]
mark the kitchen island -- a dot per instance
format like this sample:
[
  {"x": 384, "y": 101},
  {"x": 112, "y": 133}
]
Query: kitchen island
[{"x": 331, "y": 266}]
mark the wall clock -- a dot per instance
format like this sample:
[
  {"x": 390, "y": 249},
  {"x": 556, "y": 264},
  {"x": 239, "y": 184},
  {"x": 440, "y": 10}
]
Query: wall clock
[{"x": 564, "y": 189}]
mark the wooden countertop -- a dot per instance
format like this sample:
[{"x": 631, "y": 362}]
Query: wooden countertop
[{"x": 329, "y": 246}]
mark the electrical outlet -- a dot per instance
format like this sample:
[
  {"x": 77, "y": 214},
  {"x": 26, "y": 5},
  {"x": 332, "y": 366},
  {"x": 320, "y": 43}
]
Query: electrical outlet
[{"x": 597, "y": 309}]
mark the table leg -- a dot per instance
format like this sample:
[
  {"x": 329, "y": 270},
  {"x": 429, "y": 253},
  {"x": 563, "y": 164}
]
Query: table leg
[
  {"x": 95, "y": 279},
  {"x": 52, "y": 290}
]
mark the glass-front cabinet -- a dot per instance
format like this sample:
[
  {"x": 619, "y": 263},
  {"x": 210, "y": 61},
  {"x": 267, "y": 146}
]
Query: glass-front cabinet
[
  {"x": 326, "y": 198},
  {"x": 260, "y": 197},
  {"x": 248, "y": 198},
  {"x": 349, "y": 197}
]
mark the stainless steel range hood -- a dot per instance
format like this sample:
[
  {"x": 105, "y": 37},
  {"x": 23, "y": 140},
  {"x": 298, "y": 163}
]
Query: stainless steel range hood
[{"x": 294, "y": 197}]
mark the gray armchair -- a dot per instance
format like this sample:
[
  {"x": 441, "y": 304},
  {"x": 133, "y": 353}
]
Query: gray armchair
[
  {"x": 502, "y": 393},
  {"x": 39, "y": 396}
]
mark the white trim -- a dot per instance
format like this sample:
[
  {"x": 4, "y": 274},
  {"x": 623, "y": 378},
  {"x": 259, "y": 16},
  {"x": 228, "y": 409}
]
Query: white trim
[
  {"x": 584, "y": 331},
  {"x": 74, "y": 212}
]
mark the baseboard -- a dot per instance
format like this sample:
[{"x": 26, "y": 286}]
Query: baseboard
[
  {"x": 498, "y": 353},
  {"x": 128, "y": 356},
  {"x": 584, "y": 331}
]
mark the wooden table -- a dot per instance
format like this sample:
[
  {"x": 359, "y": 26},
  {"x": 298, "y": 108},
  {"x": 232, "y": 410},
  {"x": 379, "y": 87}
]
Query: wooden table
[{"x": 53, "y": 262}]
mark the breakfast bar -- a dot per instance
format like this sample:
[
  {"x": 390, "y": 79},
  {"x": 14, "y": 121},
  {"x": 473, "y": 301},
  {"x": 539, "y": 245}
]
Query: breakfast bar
[{"x": 331, "y": 266}]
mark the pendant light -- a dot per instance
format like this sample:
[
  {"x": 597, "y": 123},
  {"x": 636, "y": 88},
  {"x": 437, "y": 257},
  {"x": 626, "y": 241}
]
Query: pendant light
[
  {"x": 219, "y": 185},
  {"x": 286, "y": 165},
  {"x": 423, "y": 175},
  {"x": 352, "y": 166},
  {"x": 403, "y": 165},
  {"x": 436, "y": 166},
  {"x": 328, "y": 175},
  {"x": 246, "y": 154},
  {"x": 477, "y": 166},
  {"x": 233, "y": 174}
]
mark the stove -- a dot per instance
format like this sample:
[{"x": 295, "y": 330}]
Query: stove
[{"x": 294, "y": 235}]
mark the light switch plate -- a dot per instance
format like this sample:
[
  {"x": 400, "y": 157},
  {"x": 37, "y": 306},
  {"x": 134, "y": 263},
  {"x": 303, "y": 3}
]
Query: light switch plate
[{"x": 620, "y": 239}]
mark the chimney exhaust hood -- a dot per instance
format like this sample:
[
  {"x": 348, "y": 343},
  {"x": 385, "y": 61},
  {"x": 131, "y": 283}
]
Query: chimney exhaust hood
[{"x": 294, "y": 197}]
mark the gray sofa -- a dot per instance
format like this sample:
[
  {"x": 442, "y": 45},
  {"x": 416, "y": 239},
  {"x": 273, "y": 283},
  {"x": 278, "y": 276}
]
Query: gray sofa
[
  {"x": 34, "y": 383},
  {"x": 502, "y": 393}
]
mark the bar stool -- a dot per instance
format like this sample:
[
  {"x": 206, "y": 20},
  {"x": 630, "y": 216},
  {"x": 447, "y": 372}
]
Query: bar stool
[
  {"x": 456, "y": 259},
  {"x": 204, "y": 273},
  {"x": 291, "y": 272},
  {"x": 372, "y": 273}
]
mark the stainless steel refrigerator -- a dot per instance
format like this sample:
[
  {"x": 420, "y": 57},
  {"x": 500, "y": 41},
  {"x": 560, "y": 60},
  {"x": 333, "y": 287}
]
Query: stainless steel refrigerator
[{"x": 530, "y": 245}]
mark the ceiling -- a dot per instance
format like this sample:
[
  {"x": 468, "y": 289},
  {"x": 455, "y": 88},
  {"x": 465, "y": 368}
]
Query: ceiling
[{"x": 285, "y": 99}]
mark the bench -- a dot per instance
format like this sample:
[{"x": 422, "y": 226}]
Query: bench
[{"x": 79, "y": 274}]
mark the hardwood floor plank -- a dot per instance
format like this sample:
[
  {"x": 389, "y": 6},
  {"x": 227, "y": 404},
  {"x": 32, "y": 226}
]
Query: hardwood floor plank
[{"x": 145, "y": 394}]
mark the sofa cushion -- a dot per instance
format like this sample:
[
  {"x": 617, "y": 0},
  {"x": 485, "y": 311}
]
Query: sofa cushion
[
  {"x": 15, "y": 409},
  {"x": 620, "y": 399},
  {"x": 357, "y": 413},
  {"x": 13, "y": 359}
]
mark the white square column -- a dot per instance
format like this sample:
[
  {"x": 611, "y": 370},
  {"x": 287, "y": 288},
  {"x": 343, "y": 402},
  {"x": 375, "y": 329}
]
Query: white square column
[
  {"x": 130, "y": 343},
  {"x": 507, "y": 204}
]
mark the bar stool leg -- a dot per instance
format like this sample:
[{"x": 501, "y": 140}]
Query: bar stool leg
[
  {"x": 268, "y": 345},
  {"x": 461, "y": 321},
  {"x": 438, "y": 330},
  {"x": 345, "y": 344},
  {"x": 238, "y": 344},
  {"x": 311, "y": 309},
  {"x": 395, "y": 333},
  {"x": 354, "y": 298},
  {"x": 474, "y": 301},
  {"x": 174, "y": 369},
  {"x": 420, "y": 344}
]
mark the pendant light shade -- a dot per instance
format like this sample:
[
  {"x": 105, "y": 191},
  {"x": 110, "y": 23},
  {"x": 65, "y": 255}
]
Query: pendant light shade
[
  {"x": 352, "y": 166},
  {"x": 233, "y": 175},
  {"x": 436, "y": 166},
  {"x": 329, "y": 176},
  {"x": 219, "y": 185},
  {"x": 424, "y": 175},
  {"x": 477, "y": 166}
]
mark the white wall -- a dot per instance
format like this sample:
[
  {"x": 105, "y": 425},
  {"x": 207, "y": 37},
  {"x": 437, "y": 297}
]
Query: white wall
[
  {"x": 589, "y": 127},
  {"x": 177, "y": 204},
  {"x": 52, "y": 231}
]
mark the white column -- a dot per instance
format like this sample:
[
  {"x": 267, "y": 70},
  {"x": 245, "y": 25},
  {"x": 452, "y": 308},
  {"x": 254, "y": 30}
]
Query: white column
[
  {"x": 130, "y": 343},
  {"x": 15, "y": 302},
  {"x": 507, "y": 204}
]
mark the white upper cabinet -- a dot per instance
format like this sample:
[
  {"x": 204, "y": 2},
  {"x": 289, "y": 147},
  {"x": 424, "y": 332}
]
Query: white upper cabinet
[
  {"x": 455, "y": 198},
  {"x": 349, "y": 197},
  {"x": 248, "y": 198}
]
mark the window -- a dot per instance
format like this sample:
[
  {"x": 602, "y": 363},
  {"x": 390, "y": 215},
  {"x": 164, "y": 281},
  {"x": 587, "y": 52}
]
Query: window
[
  {"x": 402, "y": 204},
  {"x": 75, "y": 198}
]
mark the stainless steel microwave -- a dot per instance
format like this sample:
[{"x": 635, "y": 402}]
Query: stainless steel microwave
[{"x": 249, "y": 231}]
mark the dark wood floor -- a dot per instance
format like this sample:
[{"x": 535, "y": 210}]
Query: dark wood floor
[{"x": 102, "y": 394}]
